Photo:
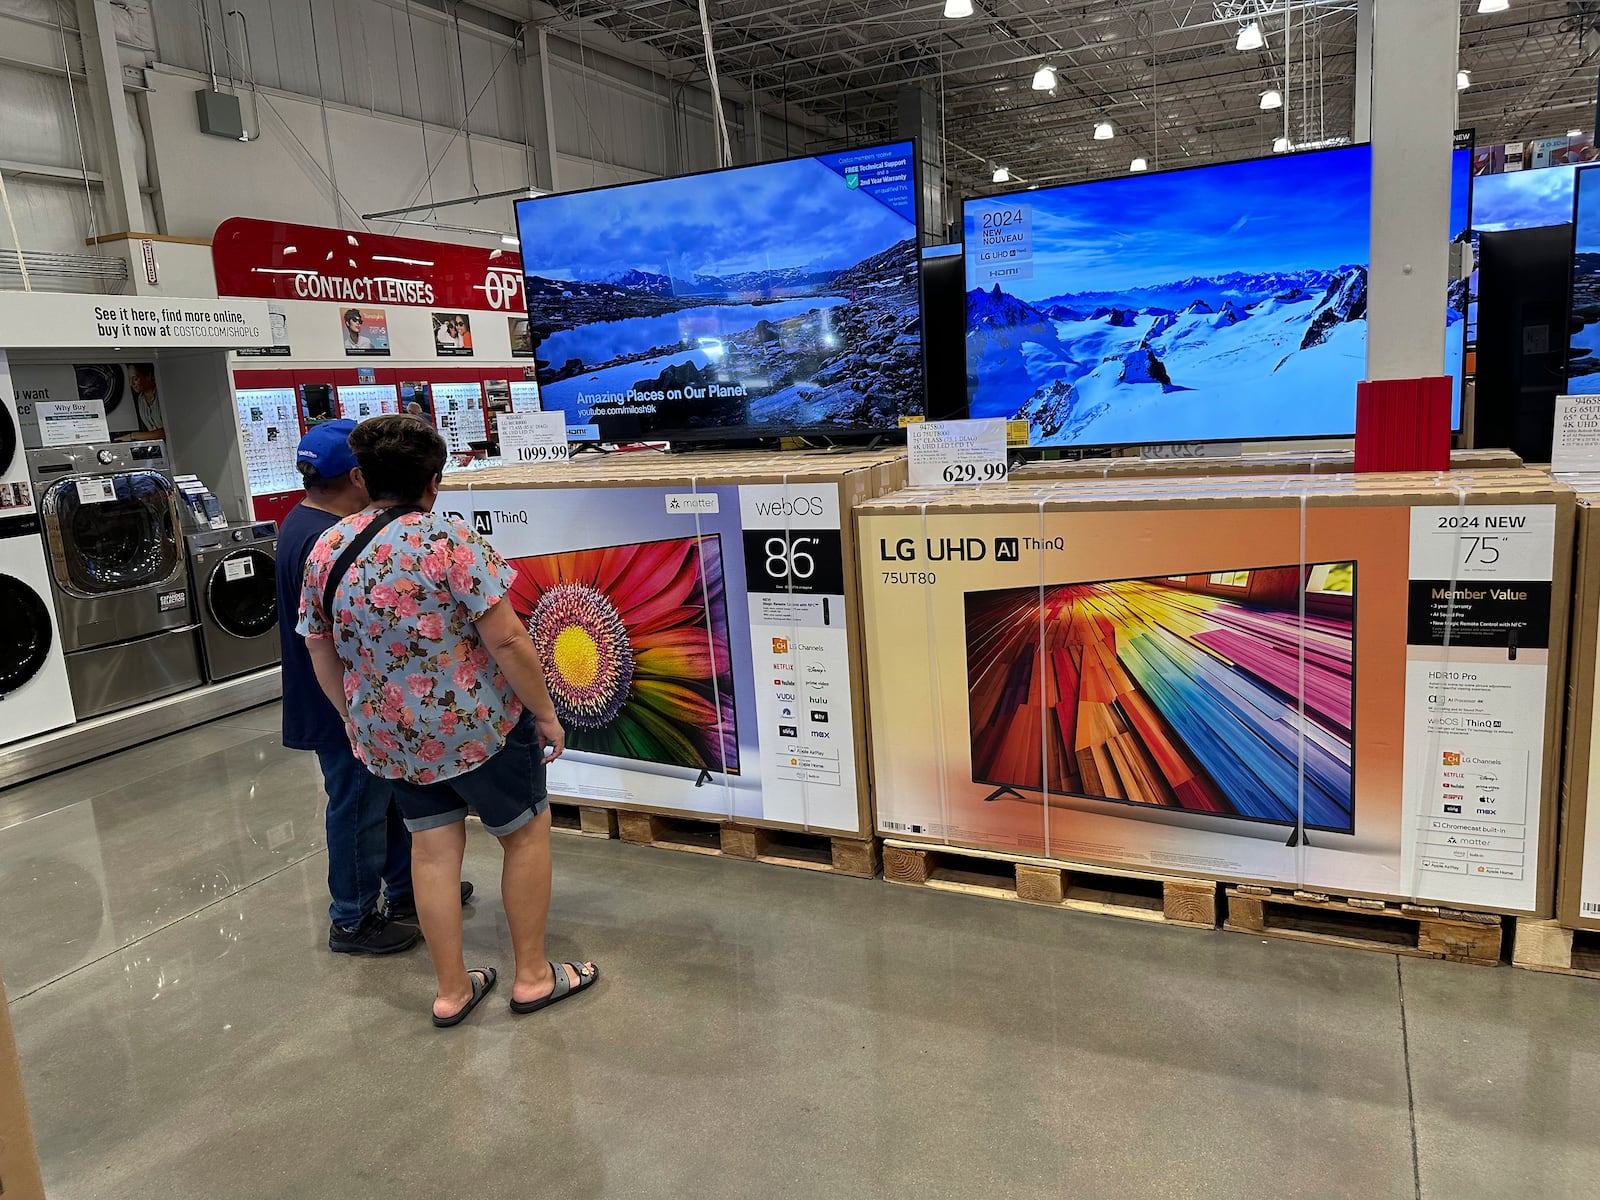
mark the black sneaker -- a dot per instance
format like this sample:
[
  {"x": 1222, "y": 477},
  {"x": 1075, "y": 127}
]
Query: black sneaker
[
  {"x": 406, "y": 910},
  {"x": 375, "y": 935}
]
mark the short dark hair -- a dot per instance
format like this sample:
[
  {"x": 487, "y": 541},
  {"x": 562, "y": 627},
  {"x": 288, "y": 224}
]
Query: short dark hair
[
  {"x": 355, "y": 313},
  {"x": 399, "y": 456},
  {"x": 315, "y": 480}
]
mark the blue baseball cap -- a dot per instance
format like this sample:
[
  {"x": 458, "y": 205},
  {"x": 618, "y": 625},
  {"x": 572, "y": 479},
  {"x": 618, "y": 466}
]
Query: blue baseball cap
[{"x": 327, "y": 448}]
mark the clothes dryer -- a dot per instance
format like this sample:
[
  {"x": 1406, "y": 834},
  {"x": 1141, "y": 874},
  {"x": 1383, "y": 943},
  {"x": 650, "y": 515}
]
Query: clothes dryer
[{"x": 234, "y": 576}]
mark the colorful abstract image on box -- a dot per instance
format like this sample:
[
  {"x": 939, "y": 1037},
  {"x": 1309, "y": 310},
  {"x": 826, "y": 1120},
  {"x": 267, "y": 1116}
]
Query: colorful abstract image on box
[
  {"x": 1199, "y": 692},
  {"x": 635, "y": 647}
]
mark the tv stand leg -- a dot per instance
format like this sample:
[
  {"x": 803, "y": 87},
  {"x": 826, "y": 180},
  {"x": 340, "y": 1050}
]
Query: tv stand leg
[
  {"x": 1297, "y": 837},
  {"x": 1000, "y": 793},
  {"x": 703, "y": 778}
]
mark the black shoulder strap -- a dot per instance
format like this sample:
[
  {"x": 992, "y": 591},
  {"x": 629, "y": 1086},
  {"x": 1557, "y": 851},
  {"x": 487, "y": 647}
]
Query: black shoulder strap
[{"x": 350, "y": 553}]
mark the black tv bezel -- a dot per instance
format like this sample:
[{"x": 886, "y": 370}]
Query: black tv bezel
[
  {"x": 1270, "y": 157},
  {"x": 726, "y": 433},
  {"x": 1355, "y": 597},
  {"x": 737, "y": 771}
]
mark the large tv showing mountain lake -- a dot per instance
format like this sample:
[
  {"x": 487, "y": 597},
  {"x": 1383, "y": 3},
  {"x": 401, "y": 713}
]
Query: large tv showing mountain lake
[
  {"x": 777, "y": 298},
  {"x": 1216, "y": 303}
]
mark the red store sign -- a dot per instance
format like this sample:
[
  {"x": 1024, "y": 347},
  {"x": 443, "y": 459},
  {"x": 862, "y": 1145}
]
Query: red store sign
[{"x": 277, "y": 261}]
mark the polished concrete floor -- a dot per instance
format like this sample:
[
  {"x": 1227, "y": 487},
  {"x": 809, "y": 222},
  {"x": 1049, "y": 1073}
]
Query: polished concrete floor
[{"x": 761, "y": 1032}]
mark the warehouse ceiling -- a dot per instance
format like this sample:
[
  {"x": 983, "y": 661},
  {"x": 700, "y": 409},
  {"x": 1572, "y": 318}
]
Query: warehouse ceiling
[{"x": 1165, "y": 73}]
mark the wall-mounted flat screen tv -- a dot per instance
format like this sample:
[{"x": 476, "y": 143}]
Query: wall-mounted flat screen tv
[
  {"x": 1583, "y": 354},
  {"x": 1214, "y": 303},
  {"x": 776, "y": 298},
  {"x": 636, "y": 650},
  {"x": 1184, "y": 692}
]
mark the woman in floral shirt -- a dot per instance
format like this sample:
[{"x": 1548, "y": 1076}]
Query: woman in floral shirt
[{"x": 443, "y": 694}]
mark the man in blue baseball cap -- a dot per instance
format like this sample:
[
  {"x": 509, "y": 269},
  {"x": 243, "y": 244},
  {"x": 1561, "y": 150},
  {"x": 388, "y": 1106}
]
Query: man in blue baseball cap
[{"x": 367, "y": 841}]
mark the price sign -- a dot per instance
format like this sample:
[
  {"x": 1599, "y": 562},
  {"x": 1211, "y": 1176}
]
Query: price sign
[
  {"x": 957, "y": 452},
  {"x": 1577, "y": 442},
  {"x": 533, "y": 437}
]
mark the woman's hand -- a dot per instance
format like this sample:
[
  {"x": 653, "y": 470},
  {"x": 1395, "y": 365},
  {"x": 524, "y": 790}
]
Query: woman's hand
[{"x": 552, "y": 738}]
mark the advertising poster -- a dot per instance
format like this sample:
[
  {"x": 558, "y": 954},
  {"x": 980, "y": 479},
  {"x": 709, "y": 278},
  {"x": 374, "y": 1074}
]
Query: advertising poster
[
  {"x": 365, "y": 331},
  {"x": 695, "y": 643},
  {"x": 521, "y": 337},
  {"x": 279, "y": 322},
  {"x": 122, "y": 395},
  {"x": 452, "y": 334},
  {"x": 1356, "y": 703}
]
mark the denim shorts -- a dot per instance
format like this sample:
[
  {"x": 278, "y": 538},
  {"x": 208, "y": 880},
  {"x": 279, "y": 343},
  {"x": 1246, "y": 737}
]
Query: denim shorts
[{"x": 506, "y": 791}]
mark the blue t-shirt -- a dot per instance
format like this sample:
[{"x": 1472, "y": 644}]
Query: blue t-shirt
[{"x": 309, "y": 721}]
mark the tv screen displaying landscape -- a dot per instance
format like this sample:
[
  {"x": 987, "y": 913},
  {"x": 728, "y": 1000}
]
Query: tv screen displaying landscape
[
  {"x": 635, "y": 647},
  {"x": 1522, "y": 199},
  {"x": 1583, "y": 355},
  {"x": 1217, "y": 303},
  {"x": 1183, "y": 692},
  {"x": 780, "y": 297}
]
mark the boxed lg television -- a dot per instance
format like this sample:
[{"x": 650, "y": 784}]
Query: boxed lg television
[
  {"x": 697, "y": 618},
  {"x": 1300, "y": 462},
  {"x": 1349, "y": 685},
  {"x": 19, "y": 1162},
  {"x": 1578, "y": 902}
]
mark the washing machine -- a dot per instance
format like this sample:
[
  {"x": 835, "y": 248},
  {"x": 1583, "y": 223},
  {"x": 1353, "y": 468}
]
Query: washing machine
[
  {"x": 34, "y": 696},
  {"x": 233, "y": 574},
  {"x": 118, "y": 574}
]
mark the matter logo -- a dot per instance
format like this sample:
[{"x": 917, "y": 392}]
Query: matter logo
[{"x": 1007, "y": 549}]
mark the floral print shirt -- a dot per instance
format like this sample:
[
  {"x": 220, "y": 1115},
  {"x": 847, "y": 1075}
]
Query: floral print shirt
[{"x": 426, "y": 700}]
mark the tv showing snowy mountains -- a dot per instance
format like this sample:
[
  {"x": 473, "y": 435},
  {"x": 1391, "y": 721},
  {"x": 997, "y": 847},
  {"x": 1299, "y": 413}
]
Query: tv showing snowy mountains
[
  {"x": 1583, "y": 352},
  {"x": 780, "y": 297},
  {"x": 1218, "y": 303}
]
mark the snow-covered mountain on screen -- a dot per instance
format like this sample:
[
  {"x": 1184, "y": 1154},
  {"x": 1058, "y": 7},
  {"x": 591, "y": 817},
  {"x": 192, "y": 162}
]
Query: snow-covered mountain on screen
[{"x": 1148, "y": 374}]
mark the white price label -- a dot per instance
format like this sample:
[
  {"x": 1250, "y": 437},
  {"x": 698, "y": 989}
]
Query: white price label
[
  {"x": 958, "y": 452},
  {"x": 96, "y": 491},
  {"x": 1577, "y": 442},
  {"x": 533, "y": 437},
  {"x": 236, "y": 569}
]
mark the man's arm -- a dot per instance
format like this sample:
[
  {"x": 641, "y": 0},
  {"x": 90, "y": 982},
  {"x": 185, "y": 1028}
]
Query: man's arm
[
  {"x": 506, "y": 639},
  {"x": 330, "y": 673}
]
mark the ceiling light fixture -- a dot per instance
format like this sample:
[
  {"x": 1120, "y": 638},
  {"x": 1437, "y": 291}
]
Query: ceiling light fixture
[
  {"x": 1044, "y": 79},
  {"x": 957, "y": 8},
  {"x": 1138, "y": 164},
  {"x": 1103, "y": 132},
  {"x": 1270, "y": 99},
  {"x": 1463, "y": 80},
  {"x": 509, "y": 240},
  {"x": 1572, "y": 133},
  {"x": 1492, "y": 6},
  {"x": 1250, "y": 37},
  {"x": 1001, "y": 175},
  {"x": 1280, "y": 145}
]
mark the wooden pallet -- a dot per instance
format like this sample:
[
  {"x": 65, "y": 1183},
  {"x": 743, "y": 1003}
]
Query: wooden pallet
[
  {"x": 1546, "y": 946},
  {"x": 730, "y": 839},
  {"x": 1420, "y": 930},
  {"x": 583, "y": 819},
  {"x": 1105, "y": 890}
]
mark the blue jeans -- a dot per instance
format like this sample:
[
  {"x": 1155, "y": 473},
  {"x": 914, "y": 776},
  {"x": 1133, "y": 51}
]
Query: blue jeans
[{"x": 367, "y": 842}]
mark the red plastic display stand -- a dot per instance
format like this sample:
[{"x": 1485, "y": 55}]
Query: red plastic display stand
[{"x": 1404, "y": 424}]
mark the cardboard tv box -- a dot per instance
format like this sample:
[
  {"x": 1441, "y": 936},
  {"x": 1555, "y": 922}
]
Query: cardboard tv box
[
  {"x": 19, "y": 1162},
  {"x": 1578, "y": 896},
  {"x": 1305, "y": 462},
  {"x": 698, "y": 619},
  {"x": 1348, "y": 685}
]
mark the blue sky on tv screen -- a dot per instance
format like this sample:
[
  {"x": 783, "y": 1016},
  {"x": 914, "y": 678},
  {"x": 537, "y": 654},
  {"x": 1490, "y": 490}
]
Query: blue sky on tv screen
[
  {"x": 1522, "y": 199},
  {"x": 772, "y": 216},
  {"x": 1274, "y": 214}
]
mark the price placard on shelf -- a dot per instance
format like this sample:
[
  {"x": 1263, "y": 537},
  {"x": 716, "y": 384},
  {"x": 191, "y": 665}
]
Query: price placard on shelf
[
  {"x": 533, "y": 437},
  {"x": 960, "y": 452},
  {"x": 1577, "y": 441}
]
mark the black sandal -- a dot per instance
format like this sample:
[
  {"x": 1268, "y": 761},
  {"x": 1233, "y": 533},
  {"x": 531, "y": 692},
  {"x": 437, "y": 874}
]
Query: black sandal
[
  {"x": 478, "y": 993},
  {"x": 588, "y": 975}
]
